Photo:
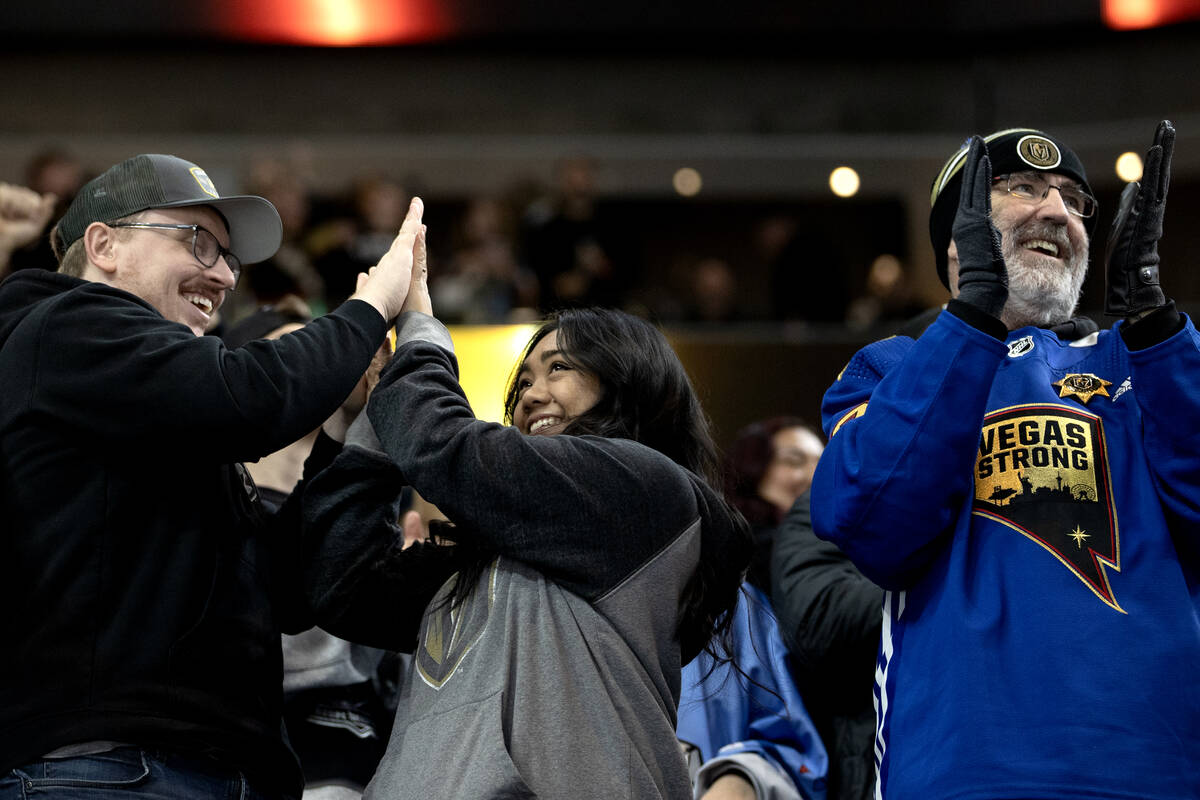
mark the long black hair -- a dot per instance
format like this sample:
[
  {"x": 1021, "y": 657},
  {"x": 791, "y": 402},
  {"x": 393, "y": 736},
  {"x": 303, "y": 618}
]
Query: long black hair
[{"x": 646, "y": 396}]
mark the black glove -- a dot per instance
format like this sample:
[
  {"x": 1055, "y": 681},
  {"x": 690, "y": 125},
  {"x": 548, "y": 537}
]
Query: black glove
[
  {"x": 1131, "y": 264},
  {"x": 982, "y": 276}
]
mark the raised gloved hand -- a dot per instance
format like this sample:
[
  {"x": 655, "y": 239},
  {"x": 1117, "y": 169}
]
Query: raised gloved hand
[
  {"x": 982, "y": 276},
  {"x": 1131, "y": 263}
]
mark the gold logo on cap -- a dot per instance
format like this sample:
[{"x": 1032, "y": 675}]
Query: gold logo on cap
[
  {"x": 1039, "y": 152},
  {"x": 206, "y": 184}
]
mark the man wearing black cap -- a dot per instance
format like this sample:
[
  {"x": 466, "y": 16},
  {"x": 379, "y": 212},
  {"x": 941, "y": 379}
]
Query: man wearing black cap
[
  {"x": 1028, "y": 497},
  {"x": 145, "y": 586}
]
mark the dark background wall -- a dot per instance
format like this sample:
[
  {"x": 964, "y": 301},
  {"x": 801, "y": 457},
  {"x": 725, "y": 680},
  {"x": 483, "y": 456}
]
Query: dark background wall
[{"x": 763, "y": 99}]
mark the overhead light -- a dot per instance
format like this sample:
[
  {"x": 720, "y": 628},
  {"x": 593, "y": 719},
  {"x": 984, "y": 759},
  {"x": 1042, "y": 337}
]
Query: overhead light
[
  {"x": 844, "y": 182},
  {"x": 1129, "y": 167},
  {"x": 687, "y": 182}
]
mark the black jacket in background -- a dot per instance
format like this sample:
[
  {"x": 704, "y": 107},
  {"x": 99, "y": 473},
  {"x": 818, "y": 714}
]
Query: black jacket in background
[
  {"x": 144, "y": 586},
  {"x": 831, "y": 617}
]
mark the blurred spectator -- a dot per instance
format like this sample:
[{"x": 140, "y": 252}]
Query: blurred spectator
[
  {"x": 757, "y": 732},
  {"x": 697, "y": 290},
  {"x": 57, "y": 172},
  {"x": 567, "y": 245},
  {"x": 353, "y": 243},
  {"x": 290, "y": 271},
  {"x": 888, "y": 296},
  {"x": 713, "y": 293},
  {"x": 769, "y": 465},
  {"x": 829, "y": 614},
  {"x": 482, "y": 281},
  {"x": 24, "y": 215}
]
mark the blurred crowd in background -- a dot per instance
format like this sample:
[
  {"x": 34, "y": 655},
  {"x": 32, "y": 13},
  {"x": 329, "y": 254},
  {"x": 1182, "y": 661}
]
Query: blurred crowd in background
[{"x": 511, "y": 256}]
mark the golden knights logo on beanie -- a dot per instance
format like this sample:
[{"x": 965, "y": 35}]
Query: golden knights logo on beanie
[
  {"x": 161, "y": 181},
  {"x": 1038, "y": 152},
  {"x": 1010, "y": 150}
]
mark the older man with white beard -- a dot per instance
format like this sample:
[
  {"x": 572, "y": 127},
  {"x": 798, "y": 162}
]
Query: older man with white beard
[
  {"x": 1029, "y": 498},
  {"x": 1044, "y": 236}
]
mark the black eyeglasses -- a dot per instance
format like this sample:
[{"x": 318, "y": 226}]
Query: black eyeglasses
[
  {"x": 205, "y": 247},
  {"x": 1032, "y": 187}
]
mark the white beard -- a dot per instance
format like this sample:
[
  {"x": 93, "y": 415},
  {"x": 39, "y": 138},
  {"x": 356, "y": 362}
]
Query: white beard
[{"x": 1039, "y": 293}]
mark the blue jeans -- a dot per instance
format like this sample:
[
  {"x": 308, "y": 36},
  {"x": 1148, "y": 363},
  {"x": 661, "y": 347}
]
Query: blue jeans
[{"x": 127, "y": 773}]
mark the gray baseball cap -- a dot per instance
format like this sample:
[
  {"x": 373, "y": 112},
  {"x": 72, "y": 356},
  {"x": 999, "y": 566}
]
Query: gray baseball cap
[{"x": 160, "y": 181}]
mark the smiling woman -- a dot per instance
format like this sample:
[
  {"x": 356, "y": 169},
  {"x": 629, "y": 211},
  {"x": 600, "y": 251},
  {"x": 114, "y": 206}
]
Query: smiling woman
[
  {"x": 550, "y": 392},
  {"x": 591, "y": 559}
]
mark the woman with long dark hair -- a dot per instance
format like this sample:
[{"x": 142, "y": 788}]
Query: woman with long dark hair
[{"x": 591, "y": 560}]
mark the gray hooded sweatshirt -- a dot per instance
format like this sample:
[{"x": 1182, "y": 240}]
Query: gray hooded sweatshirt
[{"x": 559, "y": 676}]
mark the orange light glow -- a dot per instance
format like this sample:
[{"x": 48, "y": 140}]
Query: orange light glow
[
  {"x": 333, "y": 23},
  {"x": 1135, "y": 14}
]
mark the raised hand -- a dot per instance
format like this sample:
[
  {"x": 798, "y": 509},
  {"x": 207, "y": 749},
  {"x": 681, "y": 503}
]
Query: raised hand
[
  {"x": 24, "y": 215},
  {"x": 418, "y": 288},
  {"x": 1131, "y": 263},
  {"x": 387, "y": 283},
  {"x": 982, "y": 276}
]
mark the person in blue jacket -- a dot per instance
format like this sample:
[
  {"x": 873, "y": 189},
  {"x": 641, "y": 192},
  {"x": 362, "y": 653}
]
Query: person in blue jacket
[
  {"x": 1029, "y": 498},
  {"x": 747, "y": 730},
  {"x": 750, "y": 732}
]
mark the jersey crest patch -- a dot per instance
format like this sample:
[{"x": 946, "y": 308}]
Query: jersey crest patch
[
  {"x": 1083, "y": 386},
  {"x": 448, "y": 634},
  {"x": 1043, "y": 471}
]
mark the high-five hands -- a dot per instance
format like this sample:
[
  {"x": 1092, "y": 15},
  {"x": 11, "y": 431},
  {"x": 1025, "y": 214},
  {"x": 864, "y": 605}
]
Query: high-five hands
[
  {"x": 1131, "y": 263},
  {"x": 386, "y": 286},
  {"x": 418, "y": 290}
]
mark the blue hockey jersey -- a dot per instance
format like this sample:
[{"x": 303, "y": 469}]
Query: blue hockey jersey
[{"x": 1033, "y": 508}]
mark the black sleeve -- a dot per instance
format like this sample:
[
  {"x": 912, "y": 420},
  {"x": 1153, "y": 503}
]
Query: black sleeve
[
  {"x": 282, "y": 538},
  {"x": 121, "y": 373},
  {"x": 360, "y": 581},
  {"x": 1157, "y": 326},
  {"x": 829, "y": 613},
  {"x": 584, "y": 510}
]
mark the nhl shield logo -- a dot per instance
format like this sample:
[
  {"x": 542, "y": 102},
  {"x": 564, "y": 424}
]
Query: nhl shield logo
[
  {"x": 1038, "y": 151},
  {"x": 1020, "y": 347}
]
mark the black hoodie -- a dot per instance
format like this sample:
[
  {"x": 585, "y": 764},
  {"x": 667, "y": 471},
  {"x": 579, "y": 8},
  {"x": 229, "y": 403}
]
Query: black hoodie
[{"x": 144, "y": 587}]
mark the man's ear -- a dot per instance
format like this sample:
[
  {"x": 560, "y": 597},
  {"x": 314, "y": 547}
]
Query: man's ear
[
  {"x": 100, "y": 242},
  {"x": 952, "y": 268}
]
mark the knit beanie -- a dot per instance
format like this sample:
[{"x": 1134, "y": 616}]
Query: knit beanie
[{"x": 1011, "y": 150}]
